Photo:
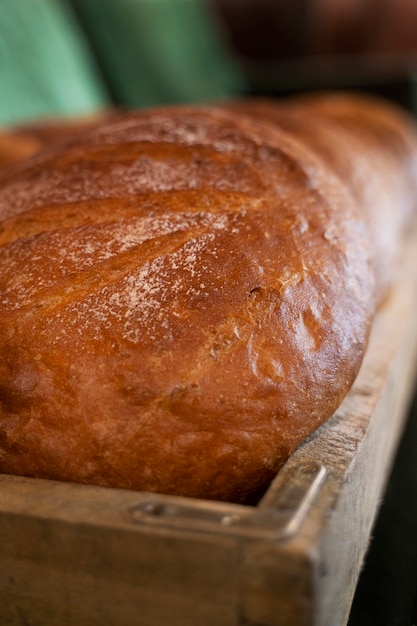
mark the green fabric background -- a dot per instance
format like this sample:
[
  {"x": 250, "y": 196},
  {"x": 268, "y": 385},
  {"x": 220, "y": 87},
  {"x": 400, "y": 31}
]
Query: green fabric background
[
  {"x": 160, "y": 51},
  {"x": 59, "y": 57},
  {"x": 46, "y": 67}
]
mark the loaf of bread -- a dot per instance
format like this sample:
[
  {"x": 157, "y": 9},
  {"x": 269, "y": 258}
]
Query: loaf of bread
[{"x": 187, "y": 293}]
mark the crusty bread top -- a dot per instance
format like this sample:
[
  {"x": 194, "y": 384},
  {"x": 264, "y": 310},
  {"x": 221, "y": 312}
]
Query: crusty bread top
[{"x": 371, "y": 145}]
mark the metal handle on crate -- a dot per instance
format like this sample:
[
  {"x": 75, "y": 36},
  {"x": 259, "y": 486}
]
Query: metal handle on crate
[
  {"x": 296, "y": 496},
  {"x": 280, "y": 519}
]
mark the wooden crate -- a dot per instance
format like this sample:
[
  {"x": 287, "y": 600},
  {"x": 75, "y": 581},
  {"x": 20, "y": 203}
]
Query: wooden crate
[{"x": 73, "y": 555}]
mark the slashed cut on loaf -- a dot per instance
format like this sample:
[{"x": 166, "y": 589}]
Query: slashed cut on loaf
[
  {"x": 186, "y": 294},
  {"x": 372, "y": 147}
]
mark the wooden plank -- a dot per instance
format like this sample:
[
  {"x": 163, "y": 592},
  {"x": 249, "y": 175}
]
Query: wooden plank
[
  {"x": 78, "y": 555},
  {"x": 73, "y": 555}
]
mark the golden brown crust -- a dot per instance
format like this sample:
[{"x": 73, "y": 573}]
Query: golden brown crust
[
  {"x": 186, "y": 295},
  {"x": 372, "y": 147}
]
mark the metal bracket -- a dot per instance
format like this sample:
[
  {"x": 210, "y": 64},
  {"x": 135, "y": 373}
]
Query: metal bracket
[{"x": 281, "y": 520}]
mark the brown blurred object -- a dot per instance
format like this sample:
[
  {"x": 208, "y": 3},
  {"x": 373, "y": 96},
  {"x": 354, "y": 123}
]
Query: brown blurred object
[
  {"x": 277, "y": 29},
  {"x": 20, "y": 142},
  {"x": 265, "y": 29},
  {"x": 369, "y": 27},
  {"x": 287, "y": 47},
  {"x": 15, "y": 147}
]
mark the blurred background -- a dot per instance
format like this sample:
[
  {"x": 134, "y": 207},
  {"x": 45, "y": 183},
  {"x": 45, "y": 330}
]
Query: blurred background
[
  {"x": 77, "y": 57},
  {"x": 72, "y": 57}
]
